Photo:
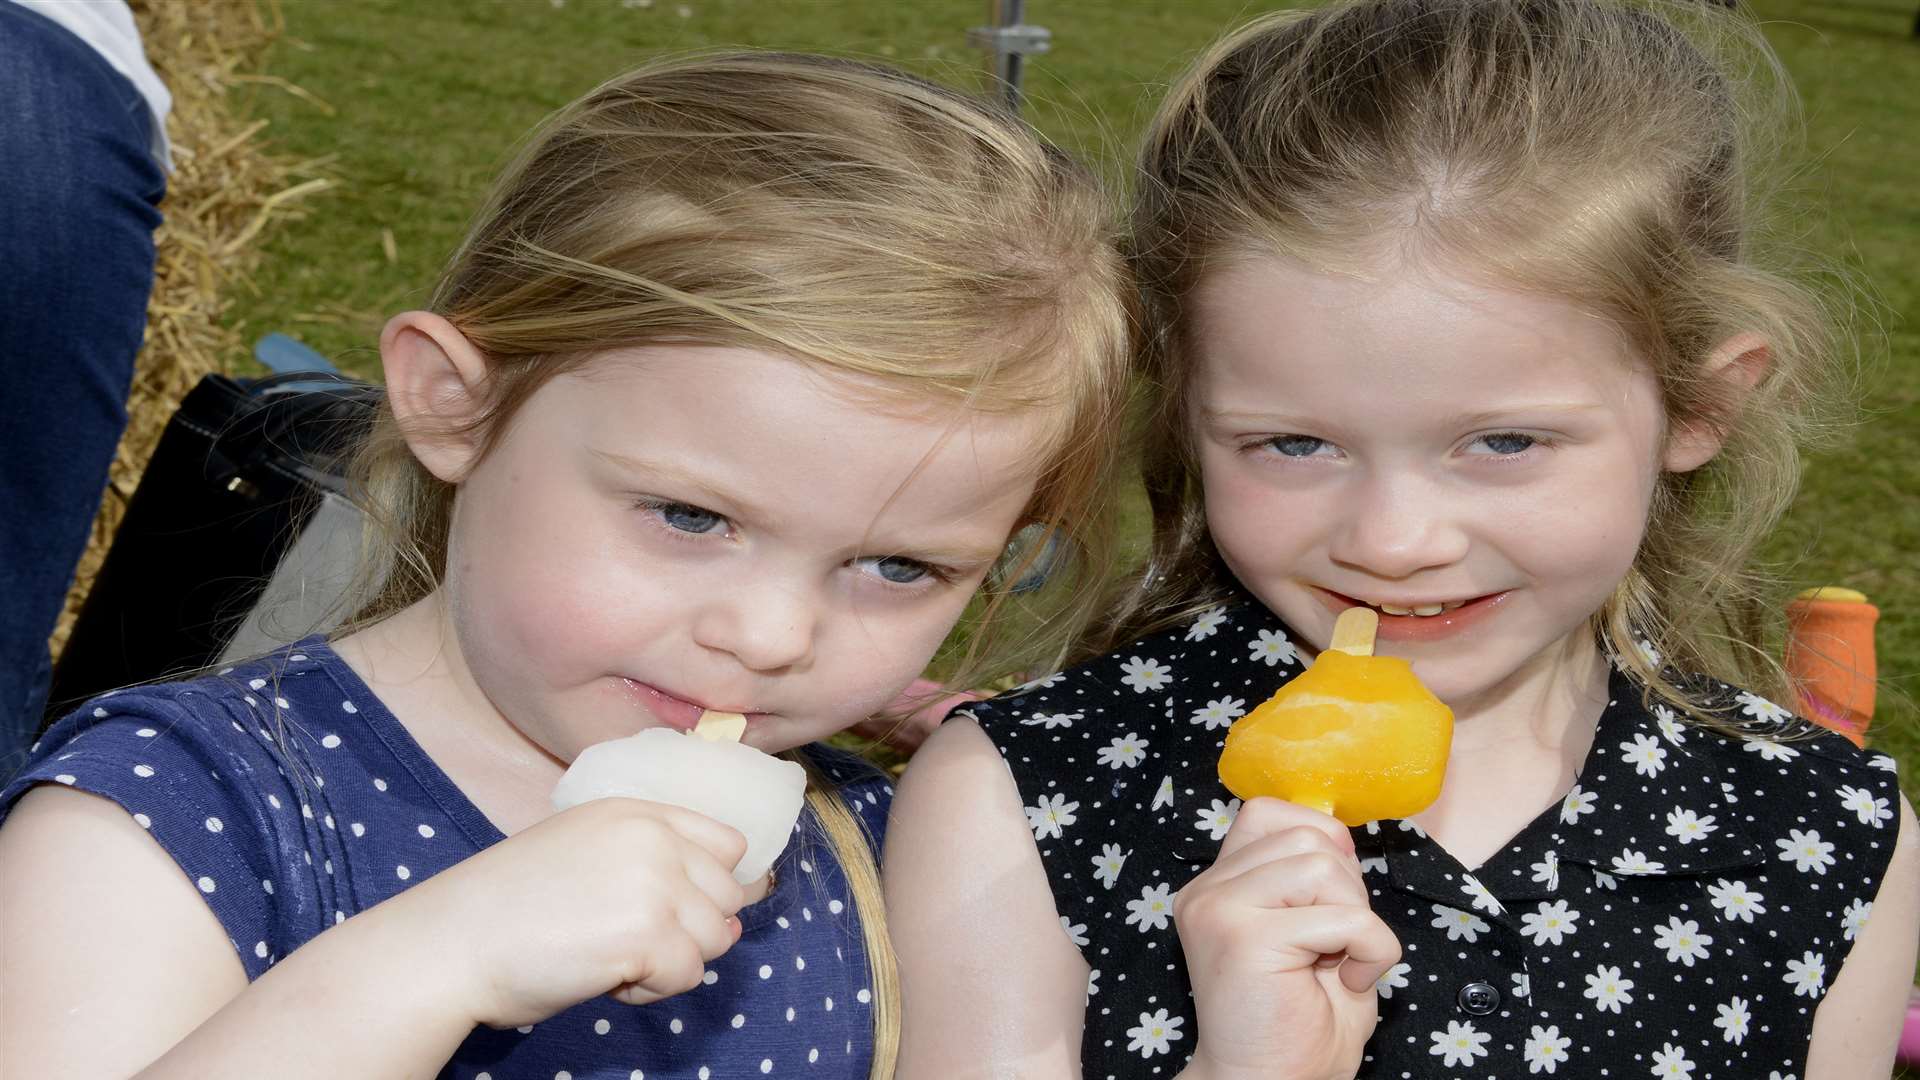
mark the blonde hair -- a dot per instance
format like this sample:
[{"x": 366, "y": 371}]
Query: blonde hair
[
  {"x": 1586, "y": 149},
  {"x": 842, "y": 214}
]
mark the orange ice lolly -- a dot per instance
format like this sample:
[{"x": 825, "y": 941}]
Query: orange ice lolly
[{"x": 1355, "y": 735}]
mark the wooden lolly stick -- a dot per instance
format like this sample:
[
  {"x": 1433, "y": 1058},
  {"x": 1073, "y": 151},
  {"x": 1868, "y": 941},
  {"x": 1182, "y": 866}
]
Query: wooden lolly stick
[
  {"x": 1353, "y": 631},
  {"x": 720, "y": 726}
]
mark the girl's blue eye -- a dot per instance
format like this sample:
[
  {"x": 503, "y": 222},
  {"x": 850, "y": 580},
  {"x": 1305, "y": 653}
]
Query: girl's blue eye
[
  {"x": 1296, "y": 446},
  {"x": 688, "y": 519},
  {"x": 898, "y": 570},
  {"x": 1507, "y": 443}
]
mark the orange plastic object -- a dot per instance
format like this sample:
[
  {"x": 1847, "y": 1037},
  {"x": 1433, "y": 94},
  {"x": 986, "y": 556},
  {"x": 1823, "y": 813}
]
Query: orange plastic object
[
  {"x": 1357, "y": 737},
  {"x": 1830, "y": 657}
]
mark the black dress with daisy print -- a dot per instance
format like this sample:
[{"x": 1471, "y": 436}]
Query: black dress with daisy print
[{"x": 1680, "y": 913}]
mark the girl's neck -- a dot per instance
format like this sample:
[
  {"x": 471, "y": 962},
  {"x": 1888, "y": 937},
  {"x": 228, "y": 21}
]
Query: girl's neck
[
  {"x": 1517, "y": 748},
  {"x": 413, "y": 663}
]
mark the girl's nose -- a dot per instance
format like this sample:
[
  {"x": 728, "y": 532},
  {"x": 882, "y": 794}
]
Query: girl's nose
[
  {"x": 1396, "y": 527},
  {"x": 764, "y": 628}
]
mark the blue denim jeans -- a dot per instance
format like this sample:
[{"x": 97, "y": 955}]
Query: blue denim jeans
[{"x": 79, "y": 201}]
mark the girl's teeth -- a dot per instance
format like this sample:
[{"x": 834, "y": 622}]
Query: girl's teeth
[
  {"x": 1391, "y": 610},
  {"x": 1422, "y": 610},
  {"x": 1428, "y": 609}
]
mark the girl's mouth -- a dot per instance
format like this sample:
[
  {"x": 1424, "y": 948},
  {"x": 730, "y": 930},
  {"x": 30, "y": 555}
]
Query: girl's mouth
[
  {"x": 670, "y": 709},
  {"x": 1421, "y": 621}
]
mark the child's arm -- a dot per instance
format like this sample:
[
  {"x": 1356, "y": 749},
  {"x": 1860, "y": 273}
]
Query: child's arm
[
  {"x": 1858, "y": 1023},
  {"x": 989, "y": 982},
  {"x": 115, "y": 965}
]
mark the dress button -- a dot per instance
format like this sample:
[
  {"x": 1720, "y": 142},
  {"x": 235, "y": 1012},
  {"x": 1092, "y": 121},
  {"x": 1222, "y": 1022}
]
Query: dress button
[{"x": 1479, "y": 998}]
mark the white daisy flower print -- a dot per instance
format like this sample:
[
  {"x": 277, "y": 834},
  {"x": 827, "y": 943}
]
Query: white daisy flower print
[
  {"x": 1206, "y": 624},
  {"x": 1050, "y": 721},
  {"x": 1807, "y": 975},
  {"x": 1522, "y": 986},
  {"x": 1216, "y": 820},
  {"x": 1151, "y": 910},
  {"x": 1052, "y": 814},
  {"x": 1884, "y": 762},
  {"x": 1770, "y": 750},
  {"x": 1373, "y": 864},
  {"x": 1550, "y": 923},
  {"x": 1760, "y": 708},
  {"x": 1547, "y": 871},
  {"x": 1607, "y": 989},
  {"x": 1458, "y": 924},
  {"x": 1394, "y": 979},
  {"x": 1854, "y": 919},
  {"x": 1273, "y": 647},
  {"x": 1735, "y": 901},
  {"x": 1869, "y": 810},
  {"x": 1145, "y": 675},
  {"x": 1093, "y": 982},
  {"x": 1634, "y": 862},
  {"x": 1645, "y": 754},
  {"x": 1459, "y": 1044},
  {"x": 1647, "y": 652},
  {"x": 1124, "y": 752},
  {"x": 1155, "y": 1034},
  {"x": 1806, "y": 851},
  {"x": 1576, "y": 803},
  {"x": 1683, "y": 940},
  {"x": 1107, "y": 864},
  {"x": 1605, "y": 880},
  {"x": 1075, "y": 933},
  {"x": 1671, "y": 1061},
  {"x": 1732, "y": 1020},
  {"x": 1546, "y": 1049},
  {"x": 1163, "y": 795},
  {"x": 1219, "y": 713},
  {"x": 1670, "y": 725},
  {"x": 1482, "y": 899},
  {"x": 1687, "y": 826},
  {"x": 1041, "y": 683}
]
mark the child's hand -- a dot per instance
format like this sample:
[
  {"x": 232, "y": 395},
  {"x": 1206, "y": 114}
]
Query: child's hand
[
  {"x": 614, "y": 895},
  {"x": 1282, "y": 948}
]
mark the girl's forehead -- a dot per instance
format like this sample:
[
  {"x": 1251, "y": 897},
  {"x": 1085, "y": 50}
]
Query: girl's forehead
[{"x": 1424, "y": 336}]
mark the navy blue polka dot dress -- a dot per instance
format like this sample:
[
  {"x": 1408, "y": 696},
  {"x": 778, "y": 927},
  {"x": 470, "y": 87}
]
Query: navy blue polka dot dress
[
  {"x": 294, "y": 800},
  {"x": 1681, "y": 912}
]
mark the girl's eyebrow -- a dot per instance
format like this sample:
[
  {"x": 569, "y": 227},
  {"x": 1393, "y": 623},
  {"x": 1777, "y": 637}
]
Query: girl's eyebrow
[
  {"x": 1279, "y": 420},
  {"x": 670, "y": 472}
]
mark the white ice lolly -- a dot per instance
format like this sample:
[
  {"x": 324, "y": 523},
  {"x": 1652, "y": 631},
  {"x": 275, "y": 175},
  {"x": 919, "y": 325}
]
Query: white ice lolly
[{"x": 733, "y": 784}]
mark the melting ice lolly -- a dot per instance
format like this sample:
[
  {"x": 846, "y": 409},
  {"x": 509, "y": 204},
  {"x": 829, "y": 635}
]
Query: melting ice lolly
[
  {"x": 709, "y": 772},
  {"x": 1355, "y": 735}
]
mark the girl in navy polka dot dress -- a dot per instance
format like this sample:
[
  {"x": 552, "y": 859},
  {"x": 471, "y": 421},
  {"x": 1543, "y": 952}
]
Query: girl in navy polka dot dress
[
  {"x": 733, "y": 398},
  {"x": 1460, "y": 311}
]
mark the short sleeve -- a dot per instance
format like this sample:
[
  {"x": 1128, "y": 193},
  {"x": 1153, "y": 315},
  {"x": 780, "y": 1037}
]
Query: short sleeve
[{"x": 160, "y": 759}]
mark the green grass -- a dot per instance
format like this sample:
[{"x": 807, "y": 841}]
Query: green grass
[{"x": 425, "y": 99}]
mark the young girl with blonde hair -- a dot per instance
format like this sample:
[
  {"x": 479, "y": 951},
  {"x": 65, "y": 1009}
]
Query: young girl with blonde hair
[
  {"x": 1461, "y": 312},
  {"x": 736, "y": 391}
]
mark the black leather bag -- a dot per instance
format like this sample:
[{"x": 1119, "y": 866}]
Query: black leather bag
[{"x": 237, "y": 472}]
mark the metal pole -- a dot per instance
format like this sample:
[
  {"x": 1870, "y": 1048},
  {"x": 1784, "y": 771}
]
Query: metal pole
[{"x": 1008, "y": 40}]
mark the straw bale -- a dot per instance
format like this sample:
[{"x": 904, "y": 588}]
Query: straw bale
[{"x": 227, "y": 189}]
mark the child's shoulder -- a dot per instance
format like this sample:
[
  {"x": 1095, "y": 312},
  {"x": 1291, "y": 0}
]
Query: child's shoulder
[
  {"x": 1209, "y": 663},
  {"x": 218, "y": 736}
]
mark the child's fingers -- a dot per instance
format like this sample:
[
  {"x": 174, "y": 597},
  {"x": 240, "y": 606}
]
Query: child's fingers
[
  {"x": 714, "y": 881},
  {"x": 723, "y": 842},
  {"x": 1303, "y": 880},
  {"x": 712, "y": 931},
  {"x": 671, "y": 965},
  {"x": 1371, "y": 951},
  {"x": 1263, "y": 817},
  {"x": 1288, "y": 844}
]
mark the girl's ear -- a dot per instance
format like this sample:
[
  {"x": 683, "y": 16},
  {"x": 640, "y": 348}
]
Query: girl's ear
[
  {"x": 436, "y": 384},
  {"x": 1740, "y": 362}
]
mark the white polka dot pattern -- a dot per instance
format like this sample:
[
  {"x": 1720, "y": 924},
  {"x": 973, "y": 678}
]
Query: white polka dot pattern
[{"x": 243, "y": 788}]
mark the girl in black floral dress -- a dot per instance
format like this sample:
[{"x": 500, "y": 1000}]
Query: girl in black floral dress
[{"x": 1459, "y": 310}]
